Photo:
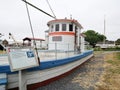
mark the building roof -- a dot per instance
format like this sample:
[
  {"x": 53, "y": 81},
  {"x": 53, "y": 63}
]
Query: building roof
[{"x": 38, "y": 39}]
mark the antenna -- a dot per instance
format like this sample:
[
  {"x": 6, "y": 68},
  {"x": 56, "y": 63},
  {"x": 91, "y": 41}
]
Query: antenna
[{"x": 70, "y": 16}]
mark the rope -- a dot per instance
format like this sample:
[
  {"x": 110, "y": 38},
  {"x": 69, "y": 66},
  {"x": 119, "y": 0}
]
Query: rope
[{"x": 32, "y": 32}]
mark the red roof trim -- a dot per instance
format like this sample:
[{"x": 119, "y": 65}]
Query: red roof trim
[
  {"x": 66, "y": 20},
  {"x": 61, "y": 33}
]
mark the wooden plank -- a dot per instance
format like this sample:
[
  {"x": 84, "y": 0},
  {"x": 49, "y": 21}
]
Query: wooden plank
[{"x": 3, "y": 75}]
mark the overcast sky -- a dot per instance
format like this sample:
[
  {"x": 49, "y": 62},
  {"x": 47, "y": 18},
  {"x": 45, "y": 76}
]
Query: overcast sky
[{"x": 90, "y": 13}]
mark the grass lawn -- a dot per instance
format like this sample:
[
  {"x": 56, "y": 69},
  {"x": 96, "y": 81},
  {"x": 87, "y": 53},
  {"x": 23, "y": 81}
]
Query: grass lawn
[{"x": 2, "y": 52}]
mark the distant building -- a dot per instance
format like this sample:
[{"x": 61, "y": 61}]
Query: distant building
[
  {"x": 40, "y": 43},
  {"x": 3, "y": 44},
  {"x": 107, "y": 44}
]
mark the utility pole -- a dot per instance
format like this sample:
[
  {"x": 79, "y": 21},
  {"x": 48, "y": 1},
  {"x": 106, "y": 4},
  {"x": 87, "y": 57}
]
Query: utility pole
[{"x": 104, "y": 29}]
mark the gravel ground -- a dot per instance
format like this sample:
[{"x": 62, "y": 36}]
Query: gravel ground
[{"x": 84, "y": 78}]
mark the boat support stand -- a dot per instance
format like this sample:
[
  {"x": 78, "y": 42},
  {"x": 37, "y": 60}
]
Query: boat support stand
[{"x": 22, "y": 81}]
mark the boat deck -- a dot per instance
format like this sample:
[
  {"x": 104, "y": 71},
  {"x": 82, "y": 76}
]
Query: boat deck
[
  {"x": 4, "y": 60},
  {"x": 44, "y": 56}
]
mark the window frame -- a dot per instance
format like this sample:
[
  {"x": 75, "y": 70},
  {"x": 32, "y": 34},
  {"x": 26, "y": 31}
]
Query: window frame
[{"x": 57, "y": 27}]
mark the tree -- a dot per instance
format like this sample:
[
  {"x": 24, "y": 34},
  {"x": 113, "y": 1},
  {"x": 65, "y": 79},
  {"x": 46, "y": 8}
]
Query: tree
[
  {"x": 5, "y": 43},
  {"x": 117, "y": 42},
  {"x": 93, "y": 37}
]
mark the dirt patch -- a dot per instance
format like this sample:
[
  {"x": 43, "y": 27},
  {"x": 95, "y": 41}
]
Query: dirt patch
[
  {"x": 84, "y": 78},
  {"x": 91, "y": 74},
  {"x": 2, "y": 52},
  {"x": 110, "y": 79}
]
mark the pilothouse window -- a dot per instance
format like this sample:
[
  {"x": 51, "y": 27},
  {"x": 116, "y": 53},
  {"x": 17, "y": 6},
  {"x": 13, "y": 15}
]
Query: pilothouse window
[
  {"x": 63, "y": 27},
  {"x": 57, "y": 38},
  {"x": 57, "y": 27},
  {"x": 70, "y": 27}
]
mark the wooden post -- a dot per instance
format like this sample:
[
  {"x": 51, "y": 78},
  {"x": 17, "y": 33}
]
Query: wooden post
[{"x": 22, "y": 83}]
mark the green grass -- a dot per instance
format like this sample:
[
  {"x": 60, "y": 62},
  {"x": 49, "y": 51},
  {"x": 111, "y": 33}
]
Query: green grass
[
  {"x": 115, "y": 70},
  {"x": 115, "y": 63},
  {"x": 118, "y": 56},
  {"x": 2, "y": 52}
]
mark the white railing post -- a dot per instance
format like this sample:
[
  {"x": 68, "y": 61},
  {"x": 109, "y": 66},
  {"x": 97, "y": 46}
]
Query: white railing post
[
  {"x": 68, "y": 50},
  {"x": 56, "y": 51}
]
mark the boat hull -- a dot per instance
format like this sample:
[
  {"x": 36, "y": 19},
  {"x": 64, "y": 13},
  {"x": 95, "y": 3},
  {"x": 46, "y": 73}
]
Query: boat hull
[{"x": 36, "y": 77}]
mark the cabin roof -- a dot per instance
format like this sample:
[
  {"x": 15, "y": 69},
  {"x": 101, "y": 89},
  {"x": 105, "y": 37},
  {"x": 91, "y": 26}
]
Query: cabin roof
[{"x": 66, "y": 20}]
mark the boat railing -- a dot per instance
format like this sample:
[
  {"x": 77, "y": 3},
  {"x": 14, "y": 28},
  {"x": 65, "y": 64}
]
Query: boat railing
[{"x": 57, "y": 51}]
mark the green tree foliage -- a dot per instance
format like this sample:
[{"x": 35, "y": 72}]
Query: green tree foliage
[{"x": 93, "y": 37}]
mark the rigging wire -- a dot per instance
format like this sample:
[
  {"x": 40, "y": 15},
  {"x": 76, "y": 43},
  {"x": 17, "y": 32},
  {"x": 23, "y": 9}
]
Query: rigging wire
[
  {"x": 38, "y": 9},
  {"x": 34, "y": 43},
  {"x": 51, "y": 8},
  {"x": 31, "y": 22}
]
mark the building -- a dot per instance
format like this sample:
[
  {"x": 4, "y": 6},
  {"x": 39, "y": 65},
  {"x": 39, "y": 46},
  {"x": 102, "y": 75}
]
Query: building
[{"x": 40, "y": 43}]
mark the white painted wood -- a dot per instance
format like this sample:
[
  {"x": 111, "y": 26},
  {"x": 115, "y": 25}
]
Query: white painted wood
[
  {"x": 2, "y": 87},
  {"x": 82, "y": 44},
  {"x": 3, "y": 75},
  {"x": 22, "y": 84},
  {"x": 3, "y": 60},
  {"x": 44, "y": 56}
]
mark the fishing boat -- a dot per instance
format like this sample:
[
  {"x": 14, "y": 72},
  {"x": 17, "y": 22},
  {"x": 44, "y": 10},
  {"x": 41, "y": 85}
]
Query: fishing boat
[{"x": 65, "y": 52}]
